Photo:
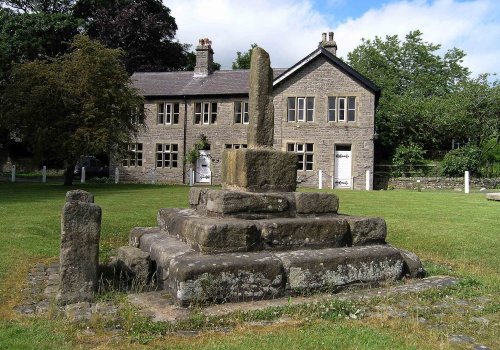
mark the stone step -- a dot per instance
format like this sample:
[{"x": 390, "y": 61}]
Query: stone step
[
  {"x": 224, "y": 235},
  {"x": 193, "y": 277},
  {"x": 237, "y": 277}
]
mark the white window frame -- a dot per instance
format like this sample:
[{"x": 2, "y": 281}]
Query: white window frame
[
  {"x": 299, "y": 109},
  {"x": 305, "y": 154},
  {"x": 205, "y": 113},
  {"x": 345, "y": 114},
  {"x": 167, "y": 155},
  {"x": 235, "y": 145},
  {"x": 241, "y": 112},
  {"x": 167, "y": 113},
  {"x": 135, "y": 158}
]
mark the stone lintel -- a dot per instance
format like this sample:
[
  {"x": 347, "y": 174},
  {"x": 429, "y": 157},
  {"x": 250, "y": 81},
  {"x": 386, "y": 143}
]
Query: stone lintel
[{"x": 259, "y": 170}]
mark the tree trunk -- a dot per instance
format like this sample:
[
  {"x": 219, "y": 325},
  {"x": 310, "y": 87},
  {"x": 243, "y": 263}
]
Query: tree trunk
[{"x": 68, "y": 175}]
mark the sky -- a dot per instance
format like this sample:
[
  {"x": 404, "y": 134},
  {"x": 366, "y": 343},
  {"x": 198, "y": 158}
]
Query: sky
[{"x": 291, "y": 29}]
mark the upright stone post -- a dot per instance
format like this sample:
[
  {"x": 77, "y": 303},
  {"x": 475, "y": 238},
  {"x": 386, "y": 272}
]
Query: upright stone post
[
  {"x": 117, "y": 175},
  {"x": 367, "y": 180},
  {"x": 44, "y": 174},
  {"x": 79, "y": 257},
  {"x": 466, "y": 182},
  {"x": 260, "y": 168},
  {"x": 82, "y": 179},
  {"x": 320, "y": 179},
  {"x": 13, "y": 174}
]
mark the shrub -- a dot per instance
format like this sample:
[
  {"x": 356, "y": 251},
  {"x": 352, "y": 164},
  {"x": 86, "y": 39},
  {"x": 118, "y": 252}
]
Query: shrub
[
  {"x": 407, "y": 158},
  {"x": 456, "y": 162}
]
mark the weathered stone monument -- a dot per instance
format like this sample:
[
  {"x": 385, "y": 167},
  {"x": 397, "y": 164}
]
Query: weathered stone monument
[
  {"x": 79, "y": 257},
  {"x": 257, "y": 238}
]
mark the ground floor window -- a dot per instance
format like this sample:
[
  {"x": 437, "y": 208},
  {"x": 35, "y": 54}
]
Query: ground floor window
[
  {"x": 134, "y": 155},
  {"x": 235, "y": 145},
  {"x": 167, "y": 155},
  {"x": 305, "y": 154}
]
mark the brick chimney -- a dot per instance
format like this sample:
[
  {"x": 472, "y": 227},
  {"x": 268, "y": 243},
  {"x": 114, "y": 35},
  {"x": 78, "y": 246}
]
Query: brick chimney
[
  {"x": 204, "y": 58},
  {"x": 329, "y": 44}
]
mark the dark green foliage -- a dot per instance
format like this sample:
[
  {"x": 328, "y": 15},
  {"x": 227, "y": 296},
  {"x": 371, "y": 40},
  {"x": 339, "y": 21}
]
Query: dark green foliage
[
  {"x": 456, "y": 162},
  {"x": 78, "y": 104},
  {"x": 40, "y": 6},
  {"x": 413, "y": 78},
  {"x": 407, "y": 158},
  {"x": 243, "y": 59},
  {"x": 143, "y": 29}
]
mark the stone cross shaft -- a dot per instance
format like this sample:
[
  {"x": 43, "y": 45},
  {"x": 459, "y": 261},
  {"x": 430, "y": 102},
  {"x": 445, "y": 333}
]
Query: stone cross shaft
[{"x": 261, "y": 109}]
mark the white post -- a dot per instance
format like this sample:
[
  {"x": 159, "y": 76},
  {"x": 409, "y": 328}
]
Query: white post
[
  {"x": 466, "y": 180},
  {"x": 117, "y": 175},
  {"x": 13, "y": 174},
  {"x": 44, "y": 174},
  {"x": 332, "y": 182},
  {"x": 153, "y": 177},
  {"x": 367, "y": 182},
  {"x": 191, "y": 177},
  {"x": 320, "y": 179},
  {"x": 82, "y": 179},
  {"x": 352, "y": 183}
]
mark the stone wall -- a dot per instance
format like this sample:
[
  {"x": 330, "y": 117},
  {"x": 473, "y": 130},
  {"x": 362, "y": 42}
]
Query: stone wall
[
  {"x": 433, "y": 183},
  {"x": 318, "y": 79}
]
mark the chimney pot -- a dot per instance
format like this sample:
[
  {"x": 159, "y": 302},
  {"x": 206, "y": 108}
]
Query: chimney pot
[
  {"x": 330, "y": 35},
  {"x": 323, "y": 37}
]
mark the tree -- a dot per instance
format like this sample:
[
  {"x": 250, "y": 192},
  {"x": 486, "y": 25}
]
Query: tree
[
  {"x": 78, "y": 104},
  {"x": 415, "y": 82},
  {"x": 144, "y": 29},
  {"x": 243, "y": 59},
  {"x": 40, "y": 6}
]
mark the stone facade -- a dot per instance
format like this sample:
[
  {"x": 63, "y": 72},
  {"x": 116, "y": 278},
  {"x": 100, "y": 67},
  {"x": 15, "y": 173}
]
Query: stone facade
[{"x": 320, "y": 76}]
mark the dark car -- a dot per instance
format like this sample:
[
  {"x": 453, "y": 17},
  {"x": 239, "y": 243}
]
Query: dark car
[{"x": 93, "y": 167}]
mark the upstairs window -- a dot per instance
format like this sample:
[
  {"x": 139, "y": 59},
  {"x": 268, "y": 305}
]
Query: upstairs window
[
  {"x": 205, "y": 112},
  {"x": 342, "y": 109},
  {"x": 300, "y": 109},
  {"x": 167, "y": 155},
  {"x": 305, "y": 154},
  {"x": 134, "y": 155},
  {"x": 167, "y": 113},
  {"x": 241, "y": 112}
]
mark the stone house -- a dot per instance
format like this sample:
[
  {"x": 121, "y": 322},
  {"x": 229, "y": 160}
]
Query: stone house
[{"x": 324, "y": 111}]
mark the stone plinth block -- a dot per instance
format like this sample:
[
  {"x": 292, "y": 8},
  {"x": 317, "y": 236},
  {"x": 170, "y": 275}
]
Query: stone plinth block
[
  {"x": 260, "y": 101},
  {"x": 134, "y": 237},
  {"x": 259, "y": 170},
  {"x": 226, "y": 277},
  {"x": 493, "y": 196},
  {"x": 79, "y": 196},
  {"x": 162, "y": 248},
  {"x": 135, "y": 263},
  {"x": 295, "y": 233},
  {"x": 316, "y": 203},
  {"x": 328, "y": 269},
  {"x": 210, "y": 235},
  {"x": 80, "y": 232},
  {"x": 246, "y": 204},
  {"x": 365, "y": 230},
  {"x": 412, "y": 265}
]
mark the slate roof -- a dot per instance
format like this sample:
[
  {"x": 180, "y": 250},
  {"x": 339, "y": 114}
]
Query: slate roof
[
  {"x": 179, "y": 84},
  {"x": 229, "y": 82}
]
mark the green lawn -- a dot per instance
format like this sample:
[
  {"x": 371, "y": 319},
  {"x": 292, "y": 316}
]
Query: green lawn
[{"x": 452, "y": 232}]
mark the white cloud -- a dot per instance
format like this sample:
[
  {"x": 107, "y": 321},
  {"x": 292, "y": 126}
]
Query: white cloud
[{"x": 290, "y": 29}]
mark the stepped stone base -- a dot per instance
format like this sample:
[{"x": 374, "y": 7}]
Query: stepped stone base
[{"x": 193, "y": 277}]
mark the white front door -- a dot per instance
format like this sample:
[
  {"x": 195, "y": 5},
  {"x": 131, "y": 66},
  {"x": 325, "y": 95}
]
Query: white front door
[
  {"x": 203, "y": 173},
  {"x": 342, "y": 168}
]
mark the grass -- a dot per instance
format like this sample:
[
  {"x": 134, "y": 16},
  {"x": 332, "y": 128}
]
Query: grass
[{"x": 452, "y": 232}]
